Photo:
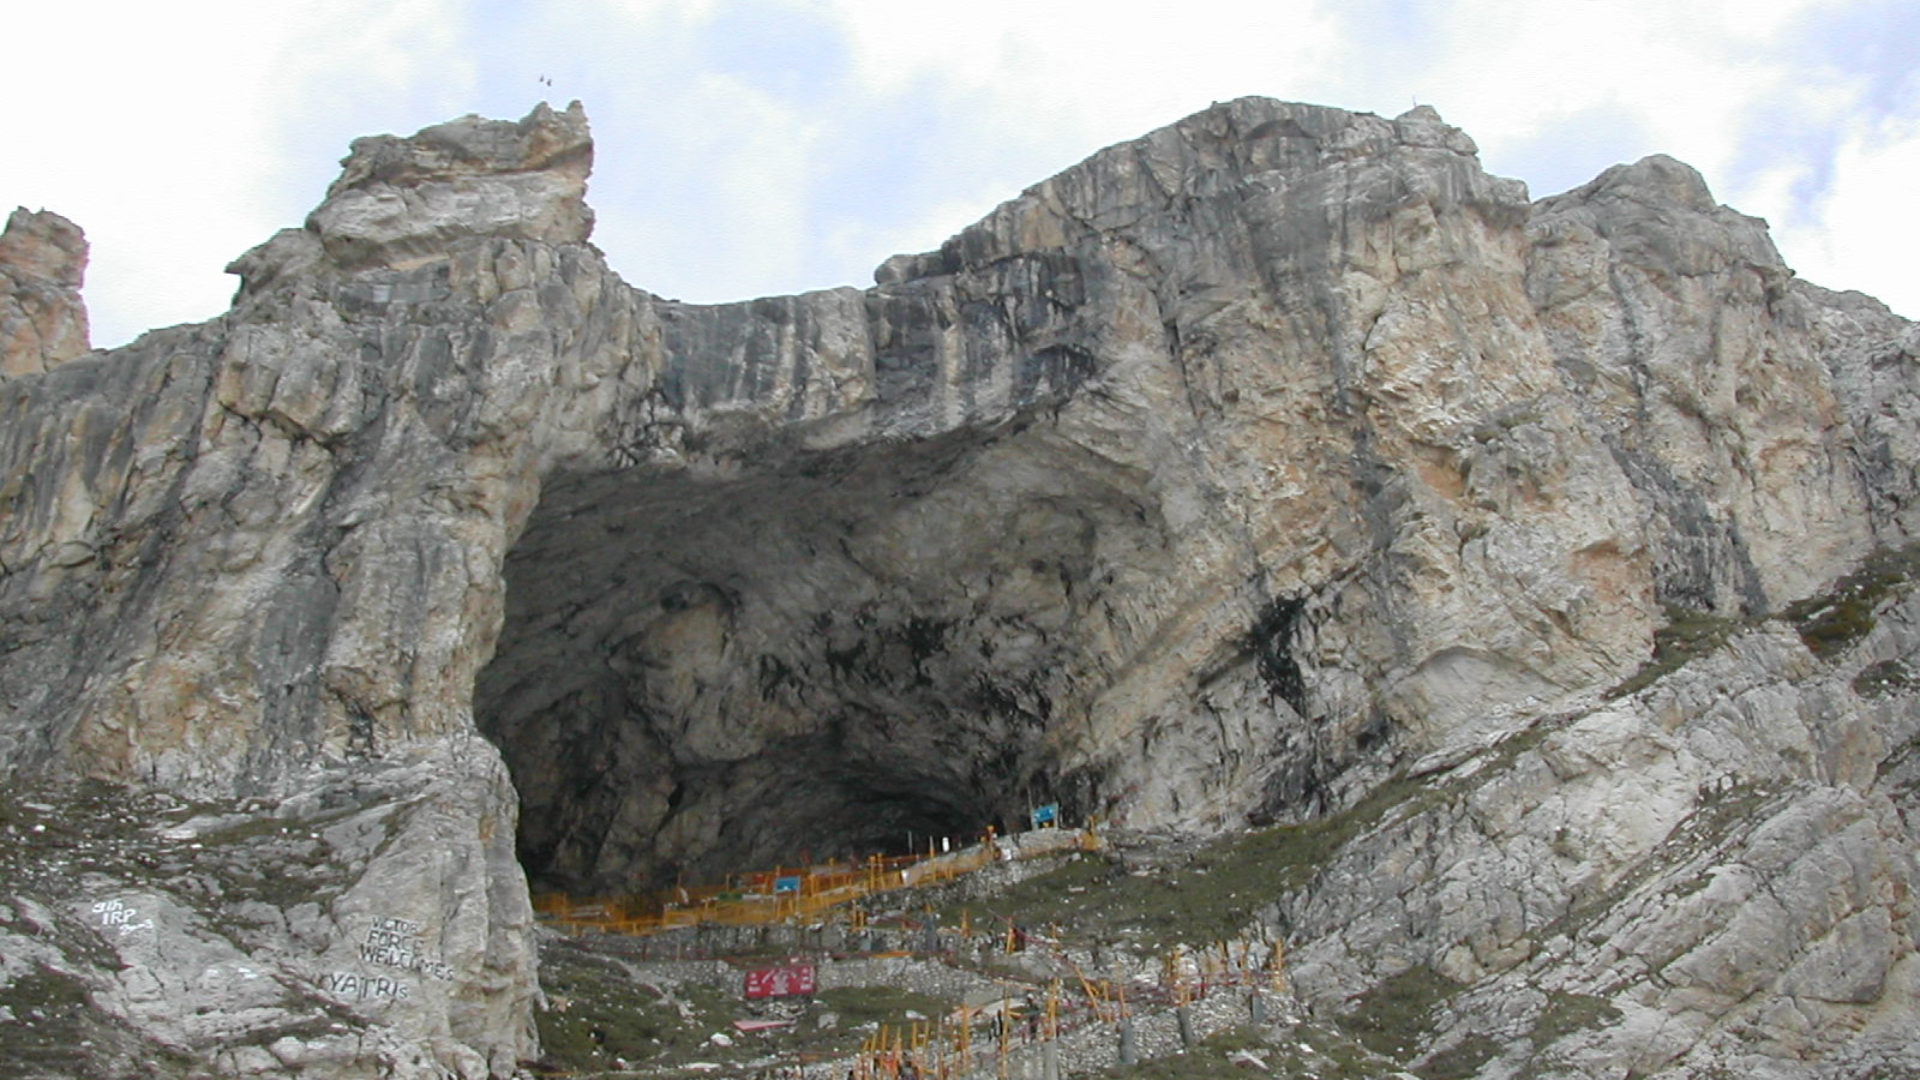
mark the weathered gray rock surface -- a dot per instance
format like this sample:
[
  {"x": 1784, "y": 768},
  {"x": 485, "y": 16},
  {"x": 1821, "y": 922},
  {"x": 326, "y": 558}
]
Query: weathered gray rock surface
[{"x": 1223, "y": 477}]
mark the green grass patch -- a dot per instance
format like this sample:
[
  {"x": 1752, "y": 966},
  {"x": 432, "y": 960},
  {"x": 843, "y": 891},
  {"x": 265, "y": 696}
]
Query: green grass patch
[
  {"x": 1898, "y": 765},
  {"x": 1829, "y": 624},
  {"x": 598, "y": 1014},
  {"x": 1392, "y": 1018},
  {"x": 56, "y": 1032},
  {"x": 1461, "y": 1060},
  {"x": 1567, "y": 1013},
  {"x": 1832, "y": 623},
  {"x": 1883, "y": 678},
  {"x": 854, "y": 1009},
  {"x": 45, "y": 991},
  {"x": 1688, "y": 634},
  {"x": 1050, "y": 897},
  {"x": 857, "y": 1005},
  {"x": 1211, "y": 898},
  {"x": 51, "y": 1019}
]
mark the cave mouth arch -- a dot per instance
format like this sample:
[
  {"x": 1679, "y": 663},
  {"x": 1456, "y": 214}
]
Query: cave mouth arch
[{"x": 704, "y": 671}]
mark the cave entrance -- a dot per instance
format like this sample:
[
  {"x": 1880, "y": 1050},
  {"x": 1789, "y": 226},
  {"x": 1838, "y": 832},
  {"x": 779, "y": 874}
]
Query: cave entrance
[{"x": 701, "y": 674}]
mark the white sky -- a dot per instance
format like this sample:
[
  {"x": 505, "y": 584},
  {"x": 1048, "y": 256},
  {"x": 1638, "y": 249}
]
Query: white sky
[{"x": 756, "y": 147}]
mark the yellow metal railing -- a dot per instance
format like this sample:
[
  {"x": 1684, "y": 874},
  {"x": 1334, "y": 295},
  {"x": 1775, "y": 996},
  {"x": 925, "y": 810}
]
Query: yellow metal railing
[{"x": 758, "y": 899}]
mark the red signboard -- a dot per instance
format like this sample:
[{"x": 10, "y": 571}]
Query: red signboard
[{"x": 791, "y": 980}]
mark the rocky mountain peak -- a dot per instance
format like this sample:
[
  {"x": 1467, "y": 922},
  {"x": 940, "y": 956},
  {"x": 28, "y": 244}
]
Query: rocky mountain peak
[
  {"x": 1254, "y": 141},
  {"x": 471, "y": 146},
  {"x": 1655, "y": 180},
  {"x": 44, "y": 245},
  {"x": 1279, "y": 468},
  {"x": 401, "y": 201},
  {"x": 43, "y": 263}
]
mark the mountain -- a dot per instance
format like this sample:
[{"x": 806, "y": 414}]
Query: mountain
[{"x": 1276, "y": 469}]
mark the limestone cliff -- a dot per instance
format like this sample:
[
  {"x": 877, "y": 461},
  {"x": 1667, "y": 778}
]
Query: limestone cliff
[{"x": 1223, "y": 478}]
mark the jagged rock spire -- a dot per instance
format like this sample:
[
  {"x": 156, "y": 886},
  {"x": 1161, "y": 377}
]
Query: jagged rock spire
[
  {"x": 401, "y": 202},
  {"x": 43, "y": 322}
]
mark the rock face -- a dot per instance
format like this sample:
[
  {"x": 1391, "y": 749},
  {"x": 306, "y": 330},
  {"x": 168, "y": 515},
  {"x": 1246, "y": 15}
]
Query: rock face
[
  {"x": 43, "y": 262},
  {"x": 1225, "y": 477}
]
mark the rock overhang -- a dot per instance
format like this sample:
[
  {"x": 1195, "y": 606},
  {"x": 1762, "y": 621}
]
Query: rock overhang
[
  {"x": 1064, "y": 300},
  {"x": 1001, "y": 327},
  {"x": 699, "y": 673},
  {"x": 1211, "y": 478},
  {"x": 1061, "y": 299}
]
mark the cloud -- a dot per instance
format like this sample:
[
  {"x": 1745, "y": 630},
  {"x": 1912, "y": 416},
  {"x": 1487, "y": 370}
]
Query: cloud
[
  {"x": 1827, "y": 156},
  {"x": 1568, "y": 150},
  {"x": 708, "y": 132},
  {"x": 171, "y": 135},
  {"x": 1082, "y": 74},
  {"x": 1802, "y": 112},
  {"x": 944, "y": 111},
  {"x": 748, "y": 147},
  {"x": 101, "y": 140},
  {"x": 1678, "y": 76},
  {"x": 1860, "y": 233}
]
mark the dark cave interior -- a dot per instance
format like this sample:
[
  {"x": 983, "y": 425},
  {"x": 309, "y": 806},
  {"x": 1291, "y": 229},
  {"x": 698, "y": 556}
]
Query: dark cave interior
[{"x": 704, "y": 673}]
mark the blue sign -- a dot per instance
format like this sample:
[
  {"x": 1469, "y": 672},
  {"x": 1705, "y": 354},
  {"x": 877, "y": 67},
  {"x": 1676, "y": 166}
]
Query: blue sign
[
  {"x": 786, "y": 884},
  {"x": 1046, "y": 815}
]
